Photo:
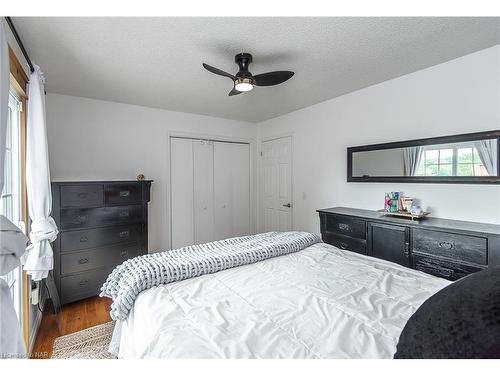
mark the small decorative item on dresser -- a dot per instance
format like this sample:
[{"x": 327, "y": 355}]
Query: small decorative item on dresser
[
  {"x": 406, "y": 203},
  {"x": 140, "y": 177},
  {"x": 392, "y": 203}
]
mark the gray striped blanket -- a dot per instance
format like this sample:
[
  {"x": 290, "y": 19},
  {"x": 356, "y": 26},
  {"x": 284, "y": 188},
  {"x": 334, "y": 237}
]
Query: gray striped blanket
[{"x": 143, "y": 272}]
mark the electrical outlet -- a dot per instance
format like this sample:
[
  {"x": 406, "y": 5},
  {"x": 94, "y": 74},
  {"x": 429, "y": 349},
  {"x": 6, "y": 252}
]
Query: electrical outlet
[{"x": 35, "y": 293}]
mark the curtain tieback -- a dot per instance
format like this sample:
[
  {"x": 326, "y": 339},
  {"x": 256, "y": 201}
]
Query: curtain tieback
[{"x": 43, "y": 229}]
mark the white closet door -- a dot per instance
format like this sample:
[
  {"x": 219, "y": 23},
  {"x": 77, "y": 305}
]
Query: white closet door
[
  {"x": 181, "y": 183},
  {"x": 203, "y": 181},
  {"x": 223, "y": 190},
  {"x": 240, "y": 205},
  {"x": 231, "y": 189}
]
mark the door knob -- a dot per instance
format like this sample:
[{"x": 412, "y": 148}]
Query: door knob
[{"x": 287, "y": 205}]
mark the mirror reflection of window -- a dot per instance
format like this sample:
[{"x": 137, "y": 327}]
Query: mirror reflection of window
[{"x": 462, "y": 159}]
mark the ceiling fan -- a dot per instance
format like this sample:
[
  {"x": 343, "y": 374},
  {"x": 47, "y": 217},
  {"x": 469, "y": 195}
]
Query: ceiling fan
[{"x": 244, "y": 80}]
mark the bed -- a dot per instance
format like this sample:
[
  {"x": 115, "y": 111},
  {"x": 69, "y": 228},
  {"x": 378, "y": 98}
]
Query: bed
[{"x": 320, "y": 302}]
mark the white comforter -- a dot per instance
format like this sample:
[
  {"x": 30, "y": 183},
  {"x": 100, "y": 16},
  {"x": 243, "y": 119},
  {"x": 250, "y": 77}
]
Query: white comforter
[{"x": 320, "y": 302}]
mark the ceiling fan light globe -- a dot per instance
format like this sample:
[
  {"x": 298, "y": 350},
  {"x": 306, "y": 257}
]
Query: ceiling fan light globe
[
  {"x": 243, "y": 87},
  {"x": 243, "y": 84}
]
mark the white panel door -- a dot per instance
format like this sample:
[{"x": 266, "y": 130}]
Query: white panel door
[
  {"x": 181, "y": 193},
  {"x": 203, "y": 181},
  {"x": 231, "y": 189},
  {"x": 276, "y": 185}
]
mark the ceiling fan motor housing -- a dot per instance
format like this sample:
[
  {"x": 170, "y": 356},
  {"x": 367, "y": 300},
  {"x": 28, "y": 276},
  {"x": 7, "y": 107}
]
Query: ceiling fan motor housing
[{"x": 243, "y": 60}]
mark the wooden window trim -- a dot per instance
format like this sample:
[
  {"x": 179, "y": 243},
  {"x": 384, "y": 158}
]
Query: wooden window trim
[{"x": 19, "y": 80}]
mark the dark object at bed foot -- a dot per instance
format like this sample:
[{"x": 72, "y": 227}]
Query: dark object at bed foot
[{"x": 460, "y": 321}]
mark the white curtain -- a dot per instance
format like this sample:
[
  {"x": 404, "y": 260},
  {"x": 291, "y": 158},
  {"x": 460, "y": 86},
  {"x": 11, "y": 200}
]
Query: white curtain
[
  {"x": 12, "y": 240},
  {"x": 412, "y": 157},
  {"x": 39, "y": 259},
  {"x": 487, "y": 151}
]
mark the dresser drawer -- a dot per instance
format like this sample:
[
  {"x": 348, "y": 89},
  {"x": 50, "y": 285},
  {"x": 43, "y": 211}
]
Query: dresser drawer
[
  {"x": 89, "y": 195},
  {"x": 116, "y": 194},
  {"x": 345, "y": 243},
  {"x": 83, "y": 285},
  {"x": 456, "y": 247},
  {"x": 346, "y": 226},
  {"x": 99, "y": 257},
  {"x": 88, "y": 238},
  {"x": 93, "y": 217},
  {"x": 442, "y": 268}
]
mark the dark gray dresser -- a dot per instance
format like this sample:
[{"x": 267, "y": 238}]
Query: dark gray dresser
[
  {"x": 101, "y": 224},
  {"x": 446, "y": 248}
]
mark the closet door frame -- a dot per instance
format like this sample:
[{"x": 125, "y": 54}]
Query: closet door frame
[{"x": 215, "y": 138}]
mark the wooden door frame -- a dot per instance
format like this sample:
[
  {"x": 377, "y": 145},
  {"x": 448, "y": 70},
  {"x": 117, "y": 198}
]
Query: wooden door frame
[
  {"x": 260, "y": 213},
  {"x": 19, "y": 80}
]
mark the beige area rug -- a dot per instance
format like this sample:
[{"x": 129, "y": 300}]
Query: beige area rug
[{"x": 91, "y": 343}]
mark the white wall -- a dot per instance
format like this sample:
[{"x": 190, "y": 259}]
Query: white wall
[
  {"x": 459, "y": 96},
  {"x": 99, "y": 140}
]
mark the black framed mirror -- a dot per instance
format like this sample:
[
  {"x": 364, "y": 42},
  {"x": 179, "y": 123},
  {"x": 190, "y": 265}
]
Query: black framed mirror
[{"x": 472, "y": 158}]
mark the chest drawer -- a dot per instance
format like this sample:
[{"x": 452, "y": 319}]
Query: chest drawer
[
  {"x": 456, "y": 247},
  {"x": 90, "y": 195},
  {"x": 345, "y": 243},
  {"x": 98, "y": 257},
  {"x": 93, "y": 217},
  {"x": 88, "y": 238},
  {"x": 347, "y": 226},
  {"x": 442, "y": 268},
  {"x": 116, "y": 194},
  {"x": 82, "y": 285}
]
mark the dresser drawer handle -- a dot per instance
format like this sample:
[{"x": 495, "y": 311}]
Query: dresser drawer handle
[
  {"x": 123, "y": 253},
  {"x": 80, "y": 219},
  {"x": 83, "y": 261},
  {"x": 124, "y": 193},
  {"x": 83, "y": 282},
  {"x": 124, "y": 214},
  {"x": 84, "y": 239},
  {"x": 344, "y": 227},
  {"x": 83, "y": 195},
  {"x": 445, "y": 272},
  {"x": 343, "y": 245},
  {"x": 124, "y": 234},
  {"x": 447, "y": 245}
]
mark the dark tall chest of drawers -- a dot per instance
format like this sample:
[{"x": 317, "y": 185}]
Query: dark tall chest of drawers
[{"x": 101, "y": 224}]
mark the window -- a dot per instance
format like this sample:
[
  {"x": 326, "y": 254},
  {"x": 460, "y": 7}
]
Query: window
[
  {"x": 451, "y": 160},
  {"x": 11, "y": 196}
]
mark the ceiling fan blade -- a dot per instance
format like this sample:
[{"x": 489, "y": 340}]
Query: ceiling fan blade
[
  {"x": 218, "y": 71},
  {"x": 234, "y": 92},
  {"x": 272, "y": 78}
]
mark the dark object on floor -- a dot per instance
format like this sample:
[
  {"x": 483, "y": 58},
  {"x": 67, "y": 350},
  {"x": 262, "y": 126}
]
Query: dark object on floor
[{"x": 460, "y": 321}]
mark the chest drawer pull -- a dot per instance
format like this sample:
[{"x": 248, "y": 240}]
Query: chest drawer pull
[
  {"x": 83, "y": 282},
  {"x": 345, "y": 227},
  {"x": 83, "y": 195},
  {"x": 124, "y": 234},
  {"x": 343, "y": 245},
  {"x": 80, "y": 219},
  {"x": 84, "y": 239},
  {"x": 83, "y": 261},
  {"x": 124, "y": 214},
  {"x": 447, "y": 245},
  {"x": 445, "y": 272},
  {"x": 124, "y": 193},
  {"x": 124, "y": 253}
]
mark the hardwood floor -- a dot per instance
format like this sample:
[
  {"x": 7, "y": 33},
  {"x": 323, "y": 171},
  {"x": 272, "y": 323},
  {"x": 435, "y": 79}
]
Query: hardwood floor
[{"x": 72, "y": 318}]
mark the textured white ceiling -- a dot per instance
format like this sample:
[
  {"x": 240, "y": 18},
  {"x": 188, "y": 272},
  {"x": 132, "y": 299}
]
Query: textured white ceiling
[{"x": 156, "y": 62}]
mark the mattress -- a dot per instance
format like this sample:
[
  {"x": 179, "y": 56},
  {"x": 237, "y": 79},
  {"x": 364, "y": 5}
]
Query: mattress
[{"x": 321, "y": 302}]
